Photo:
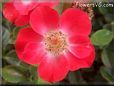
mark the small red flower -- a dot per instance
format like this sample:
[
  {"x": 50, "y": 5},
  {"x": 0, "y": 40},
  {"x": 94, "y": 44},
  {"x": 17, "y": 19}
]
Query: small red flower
[
  {"x": 25, "y": 6},
  {"x": 57, "y": 43},
  {"x": 13, "y": 15},
  {"x": 18, "y": 11}
]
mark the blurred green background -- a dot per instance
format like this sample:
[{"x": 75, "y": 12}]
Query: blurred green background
[{"x": 102, "y": 37}]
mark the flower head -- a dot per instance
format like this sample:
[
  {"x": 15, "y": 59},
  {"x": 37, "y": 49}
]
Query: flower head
[
  {"x": 13, "y": 15},
  {"x": 25, "y": 6},
  {"x": 18, "y": 11},
  {"x": 57, "y": 43}
]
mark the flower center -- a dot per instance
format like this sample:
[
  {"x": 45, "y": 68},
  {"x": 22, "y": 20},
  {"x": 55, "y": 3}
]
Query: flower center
[{"x": 55, "y": 42}]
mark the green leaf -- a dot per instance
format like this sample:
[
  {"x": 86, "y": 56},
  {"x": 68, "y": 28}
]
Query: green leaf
[
  {"x": 107, "y": 73},
  {"x": 72, "y": 78},
  {"x": 76, "y": 78},
  {"x": 108, "y": 26},
  {"x": 105, "y": 59},
  {"x": 24, "y": 65},
  {"x": 112, "y": 28},
  {"x": 99, "y": 78},
  {"x": 12, "y": 58},
  {"x": 41, "y": 81},
  {"x": 107, "y": 55},
  {"x": 101, "y": 37},
  {"x": 110, "y": 53},
  {"x": 0, "y": 72},
  {"x": 14, "y": 34},
  {"x": 62, "y": 6},
  {"x": 12, "y": 74},
  {"x": 59, "y": 8},
  {"x": 103, "y": 10},
  {"x": 15, "y": 31},
  {"x": 33, "y": 74},
  {"x": 5, "y": 37},
  {"x": 109, "y": 17},
  {"x": 0, "y": 6}
]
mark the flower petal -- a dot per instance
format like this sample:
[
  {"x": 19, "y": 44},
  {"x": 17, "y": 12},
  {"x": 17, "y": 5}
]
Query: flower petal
[
  {"x": 75, "y": 22},
  {"x": 81, "y": 51},
  {"x": 78, "y": 39},
  {"x": 13, "y": 16},
  {"x": 43, "y": 19},
  {"x": 53, "y": 69},
  {"x": 25, "y": 36},
  {"x": 76, "y": 63},
  {"x": 33, "y": 53},
  {"x": 80, "y": 46},
  {"x": 10, "y": 12},
  {"x": 24, "y": 6},
  {"x": 22, "y": 20}
]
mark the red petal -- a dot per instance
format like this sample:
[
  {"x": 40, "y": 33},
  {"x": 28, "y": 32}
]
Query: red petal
[
  {"x": 13, "y": 16},
  {"x": 53, "y": 69},
  {"x": 76, "y": 63},
  {"x": 33, "y": 53},
  {"x": 25, "y": 36},
  {"x": 80, "y": 46},
  {"x": 79, "y": 39},
  {"x": 75, "y": 22},
  {"x": 43, "y": 19},
  {"x": 24, "y": 6},
  {"x": 10, "y": 12},
  {"x": 81, "y": 51},
  {"x": 22, "y": 20}
]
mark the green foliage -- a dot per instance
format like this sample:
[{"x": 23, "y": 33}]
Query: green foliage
[
  {"x": 102, "y": 37},
  {"x": 107, "y": 74},
  {"x": 12, "y": 74},
  {"x": 5, "y": 36},
  {"x": 105, "y": 59}
]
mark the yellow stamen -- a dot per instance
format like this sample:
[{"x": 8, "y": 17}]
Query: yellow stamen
[{"x": 55, "y": 42}]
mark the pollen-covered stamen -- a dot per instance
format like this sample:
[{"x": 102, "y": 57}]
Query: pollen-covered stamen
[{"x": 55, "y": 42}]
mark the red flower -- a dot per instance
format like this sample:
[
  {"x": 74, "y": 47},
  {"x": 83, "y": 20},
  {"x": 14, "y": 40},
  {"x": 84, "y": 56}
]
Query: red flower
[
  {"x": 57, "y": 44},
  {"x": 18, "y": 11},
  {"x": 13, "y": 15},
  {"x": 25, "y": 6}
]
